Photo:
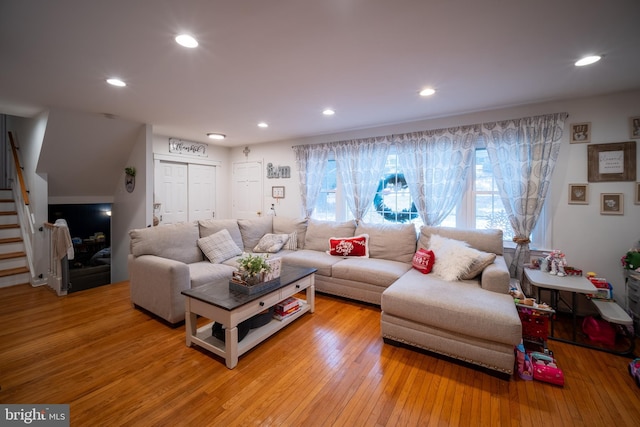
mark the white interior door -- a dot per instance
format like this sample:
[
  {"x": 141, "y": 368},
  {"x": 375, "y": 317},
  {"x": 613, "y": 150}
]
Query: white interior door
[
  {"x": 247, "y": 189},
  {"x": 202, "y": 192},
  {"x": 173, "y": 192}
]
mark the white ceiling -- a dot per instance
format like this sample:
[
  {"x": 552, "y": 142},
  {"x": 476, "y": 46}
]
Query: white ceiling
[{"x": 284, "y": 61}]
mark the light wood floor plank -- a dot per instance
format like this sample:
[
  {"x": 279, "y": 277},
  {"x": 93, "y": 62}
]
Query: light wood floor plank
[{"x": 116, "y": 365}]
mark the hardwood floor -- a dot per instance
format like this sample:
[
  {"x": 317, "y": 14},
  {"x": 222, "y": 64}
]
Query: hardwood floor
[{"x": 115, "y": 365}]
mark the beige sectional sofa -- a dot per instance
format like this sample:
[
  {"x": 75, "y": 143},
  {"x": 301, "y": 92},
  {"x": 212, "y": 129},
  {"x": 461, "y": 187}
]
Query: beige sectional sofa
[{"x": 472, "y": 320}]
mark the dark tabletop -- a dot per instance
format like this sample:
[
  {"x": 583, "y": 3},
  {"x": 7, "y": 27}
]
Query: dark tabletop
[{"x": 218, "y": 293}]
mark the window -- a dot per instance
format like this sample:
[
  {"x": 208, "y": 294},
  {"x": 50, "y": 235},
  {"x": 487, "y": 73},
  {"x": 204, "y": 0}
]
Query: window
[
  {"x": 481, "y": 206},
  {"x": 326, "y": 206}
]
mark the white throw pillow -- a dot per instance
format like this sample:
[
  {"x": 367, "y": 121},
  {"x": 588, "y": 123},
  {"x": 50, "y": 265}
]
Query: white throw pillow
[
  {"x": 453, "y": 257},
  {"x": 292, "y": 243},
  {"x": 219, "y": 246},
  {"x": 271, "y": 243}
]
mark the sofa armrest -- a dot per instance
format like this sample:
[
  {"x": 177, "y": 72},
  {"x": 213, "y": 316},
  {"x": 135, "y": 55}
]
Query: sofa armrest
[
  {"x": 496, "y": 277},
  {"x": 156, "y": 284}
]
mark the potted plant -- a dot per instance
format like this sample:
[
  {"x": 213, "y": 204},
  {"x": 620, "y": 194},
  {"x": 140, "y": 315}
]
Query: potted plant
[{"x": 253, "y": 268}]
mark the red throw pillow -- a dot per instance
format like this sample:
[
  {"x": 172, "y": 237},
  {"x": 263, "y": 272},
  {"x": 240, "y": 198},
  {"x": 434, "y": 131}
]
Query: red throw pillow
[
  {"x": 356, "y": 246},
  {"x": 423, "y": 260}
]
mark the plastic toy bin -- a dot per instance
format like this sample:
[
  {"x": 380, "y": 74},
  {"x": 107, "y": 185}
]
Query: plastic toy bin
[{"x": 535, "y": 323}]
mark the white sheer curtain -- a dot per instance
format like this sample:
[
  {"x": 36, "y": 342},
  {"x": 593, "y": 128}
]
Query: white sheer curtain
[
  {"x": 361, "y": 164},
  {"x": 435, "y": 164},
  {"x": 312, "y": 163},
  {"x": 523, "y": 153}
]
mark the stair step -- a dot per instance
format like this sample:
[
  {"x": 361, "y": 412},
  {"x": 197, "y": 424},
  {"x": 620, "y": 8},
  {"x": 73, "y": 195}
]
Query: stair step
[
  {"x": 8, "y": 226},
  {"x": 11, "y": 255},
  {"x": 11, "y": 240},
  {"x": 13, "y": 271},
  {"x": 6, "y": 200},
  {"x": 8, "y": 213}
]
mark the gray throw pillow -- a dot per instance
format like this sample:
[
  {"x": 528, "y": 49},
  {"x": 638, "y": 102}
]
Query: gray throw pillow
[{"x": 219, "y": 246}]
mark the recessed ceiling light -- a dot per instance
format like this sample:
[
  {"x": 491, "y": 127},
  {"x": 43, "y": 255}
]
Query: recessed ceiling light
[
  {"x": 216, "y": 136},
  {"x": 187, "y": 41},
  {"x": 116, "y": 82},
  {"x": 263, "y": 125},
  {"x": 329, "y": 112},
  {"x": 588, "y": 60},
  {"x": 427, "y": 92}
]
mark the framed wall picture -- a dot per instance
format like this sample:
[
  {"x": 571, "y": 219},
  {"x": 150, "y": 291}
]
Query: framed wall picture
[
  {"x": 580, "y": 132},
  {"x": 612, "y": 204},
  {"x": 611, "y": 162},
  {"x": 634, "y": 127},
  {"x": 637, "y": 198},
  {"x": 578, "y": 194}
]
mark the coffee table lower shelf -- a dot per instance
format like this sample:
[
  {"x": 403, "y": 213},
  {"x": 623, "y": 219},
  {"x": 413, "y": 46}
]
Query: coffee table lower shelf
[{"x": 203, "y": 337}]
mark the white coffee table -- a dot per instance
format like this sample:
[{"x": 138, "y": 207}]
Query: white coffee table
[{"x": 216, "y": 302}]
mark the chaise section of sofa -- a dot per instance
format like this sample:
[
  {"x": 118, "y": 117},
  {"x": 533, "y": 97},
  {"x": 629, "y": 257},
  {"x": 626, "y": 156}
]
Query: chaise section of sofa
[{"x": 473, "y": 320}]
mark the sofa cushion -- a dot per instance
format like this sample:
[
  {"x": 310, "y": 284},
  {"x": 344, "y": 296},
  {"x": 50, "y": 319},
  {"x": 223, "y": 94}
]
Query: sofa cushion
[
  {"x": 209, "y": 226},
  {"x": 253, "y": 229},
  {"x": 219, "y": 246},
  {"x": 284, "y": 225},
  {"x": 483, "y": 240},
  {"x": 321, "y": 261},
  {"x": 205, "y": 272},
  {"x": 375, "y": 271},
  {"x": 271, "y": 243},
  {"x": 319, "y": 232},
  {"x": 173, "y": 241},
  {"x": 396, "y": 242},
  {"x": 460, "y": 307},
  {"x": 355, "y": 246}
]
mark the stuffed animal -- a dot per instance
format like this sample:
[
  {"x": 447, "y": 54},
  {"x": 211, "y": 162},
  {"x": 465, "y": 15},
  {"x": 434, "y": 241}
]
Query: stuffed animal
[{"x": 557, "y": 263}]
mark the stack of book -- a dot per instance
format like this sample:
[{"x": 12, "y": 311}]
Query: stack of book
[{"x": 286, "y": 308}]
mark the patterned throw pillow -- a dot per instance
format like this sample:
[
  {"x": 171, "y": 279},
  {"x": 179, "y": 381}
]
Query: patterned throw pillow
[
  {"x": 423, "y": 260},
  {"x": 356, "y": 246},
  {"x": 219, "y": 246},
  {"x": 292, "y": 243},
  {"x": 271, "y": 243}
]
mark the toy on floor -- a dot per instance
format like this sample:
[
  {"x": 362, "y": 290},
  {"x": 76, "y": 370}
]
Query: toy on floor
[
  {"x": 545, "y": 369},
  {"x": 634, "y": 370},
  {"x": 525, "y": 367},
  {"x": 557, "y": 263}
]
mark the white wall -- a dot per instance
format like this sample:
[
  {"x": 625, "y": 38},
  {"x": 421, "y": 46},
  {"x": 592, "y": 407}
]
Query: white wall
[
  {"x": 592, "y": 242},
  {"x": 131, "y": 210}
]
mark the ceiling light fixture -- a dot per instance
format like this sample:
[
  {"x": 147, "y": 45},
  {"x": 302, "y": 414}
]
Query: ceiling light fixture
[
  {"x": 187, "y": 41},
  {"x": 427, "y": 92},
  {"x": 588, "y": 60},
  {"x": 329, "y": 112},
  {"x": 217, "y": 136},
  {"x": 263, "y": 125},
  {"x": 116, "y": 82}
]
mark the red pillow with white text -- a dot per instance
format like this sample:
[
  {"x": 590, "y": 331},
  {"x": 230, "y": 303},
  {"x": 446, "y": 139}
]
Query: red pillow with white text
[
  {"x": 423, "y": 260},
  {"x": 356, "y": 246}
]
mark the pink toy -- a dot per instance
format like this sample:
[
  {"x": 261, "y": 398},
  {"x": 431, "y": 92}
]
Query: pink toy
[
  {"x": 545, "y": 369},
  {"x": 556, "y": 262}
]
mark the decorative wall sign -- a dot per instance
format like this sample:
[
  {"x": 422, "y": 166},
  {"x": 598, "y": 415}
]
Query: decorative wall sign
[
  {"x": 612, "y": 162},
  {"x": 178, "y": 146},
  {"x": 612, "y": 204},
  {"x": 278, "y": 172},
  {"x": 578, "y": 194},
  {"x": 580, "y": 132}
]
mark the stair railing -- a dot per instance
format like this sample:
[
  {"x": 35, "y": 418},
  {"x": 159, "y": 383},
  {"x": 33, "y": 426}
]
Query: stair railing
[{"x": 21, "y": 199}]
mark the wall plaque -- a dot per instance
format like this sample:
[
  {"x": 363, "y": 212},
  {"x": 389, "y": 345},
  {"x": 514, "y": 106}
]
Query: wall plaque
[{"x": 178, "y": 146}]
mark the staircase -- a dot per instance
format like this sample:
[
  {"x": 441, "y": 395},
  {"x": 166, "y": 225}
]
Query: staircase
[{"x": 13, "y": 259}]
